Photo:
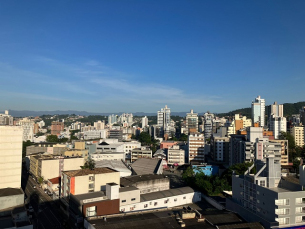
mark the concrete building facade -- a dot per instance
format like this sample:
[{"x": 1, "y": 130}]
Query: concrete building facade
[
  {"x": 258, "y": 111},
  {"x": 10, "y": 156},
  {"x": 268, "y": 198},
  {"x": 175, "y": 155},
  {"x": 191, "y": 122},
  {"x": 298, "y": 134},
  {"x": 196, "y": 143},
  {"x": 86, "y": 180}
]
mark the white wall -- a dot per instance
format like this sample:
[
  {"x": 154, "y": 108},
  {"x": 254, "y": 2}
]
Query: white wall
[
  {"x": 161, "y": 203},
  {"x": 10, "y": 156}
]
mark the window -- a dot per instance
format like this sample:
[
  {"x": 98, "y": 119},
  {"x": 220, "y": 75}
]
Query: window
[
  {"x": 175, "y": 199},
  {"x": 145, "y": 205},
  {"x": 91, "y": 211},
  {"x": 133, "y": 199},
  {"x": 184, "y": 197},
  {"x": 123, "y": 201},
  {"x": 156, "y": 203}
]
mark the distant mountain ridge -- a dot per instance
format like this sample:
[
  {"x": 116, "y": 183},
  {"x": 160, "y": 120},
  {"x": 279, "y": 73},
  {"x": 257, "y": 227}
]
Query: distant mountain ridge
[
  {"x": 26, "y": 113},
  {"x": 289, "y": 109}
]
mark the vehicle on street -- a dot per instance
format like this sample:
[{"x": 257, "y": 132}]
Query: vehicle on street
[{"x": 34, "y": 186}]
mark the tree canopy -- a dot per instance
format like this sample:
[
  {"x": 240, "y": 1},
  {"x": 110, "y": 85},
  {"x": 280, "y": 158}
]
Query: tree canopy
[{"x": 89, "y": 164}]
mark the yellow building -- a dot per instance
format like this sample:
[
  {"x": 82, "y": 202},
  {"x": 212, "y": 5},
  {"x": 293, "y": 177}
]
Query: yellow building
[{"x": 298, "y": 134}]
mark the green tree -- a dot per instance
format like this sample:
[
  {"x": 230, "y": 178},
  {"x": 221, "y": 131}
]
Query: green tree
[
  {"x": 52, "y": 138},
  {"x": 183, "y": 137},
  {"x": 238, "y": 169},
  {"x": 89, "y": 164},
  {"x": 40, "y": 180},
  {"x": 24, "y": 145},
  {"x": 145, "y": 138}
]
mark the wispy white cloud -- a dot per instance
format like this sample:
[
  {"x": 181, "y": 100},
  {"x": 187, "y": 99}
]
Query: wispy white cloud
[{"x": 100, "y": 83}]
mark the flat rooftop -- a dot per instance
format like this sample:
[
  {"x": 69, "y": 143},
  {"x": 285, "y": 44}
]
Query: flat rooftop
[
  {"x": 90, "y": 195},
  {"x": 127, "y": 189},
  {"x": 166, "y": 193},
  {"x": 130, "y": 180},
  {"x": 153, "y": 220},
  {"x": 10, "y": 192},
  {"x": 84, "y": 172}
]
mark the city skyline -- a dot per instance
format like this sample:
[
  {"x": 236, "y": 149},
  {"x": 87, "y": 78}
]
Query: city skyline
[{"x": 139, "y": 56}]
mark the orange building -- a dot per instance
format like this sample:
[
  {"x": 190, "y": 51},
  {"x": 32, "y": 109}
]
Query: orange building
[{"x": 167, "y": 144}]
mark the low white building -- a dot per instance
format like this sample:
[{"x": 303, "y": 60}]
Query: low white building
[{"x": 130, "y": 201}]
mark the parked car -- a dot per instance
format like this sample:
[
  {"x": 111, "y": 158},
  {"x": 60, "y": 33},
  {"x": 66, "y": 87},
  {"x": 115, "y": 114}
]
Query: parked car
[{"x": 34, "y": 186}]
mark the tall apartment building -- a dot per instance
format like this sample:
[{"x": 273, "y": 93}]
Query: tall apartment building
[
  {"x": 6, "y": 119},
  {"x": 144, "y": 122},
  {"x": 191, "y": 122},
  {"x": 239, "y": 122},
  {"x": 302, "y": 116},
  {"x": 298, "y": 134},
  {"x": 258, "y": 111},
  {"x": 175, "y": 155},
  {"x": 284, "y": 151},
  {"x": 112, "y": 119},
  {"x": 277, "y": 109},
  {"x": 208, "y": 124},
  {"x": 57, "y": 127},
  {"x": 196, "y": 142},
  {"x": 252, "y": 147},
  {"x": 220, "y": 149},
  {"x": 99, "y": 125},
  {"x": 126, "y": 118},
  {"x": 10, "y": 156},
  {"x": 164, "y": 120},
  {"x": 267, "y": 198},
  {"x": 28, "y": 129},
  {"x": 277, "y": 125},
  {"x": 277, "y": 122},
  {"x": 237, "y": 149},
  {"x": 87, "y": 180}
]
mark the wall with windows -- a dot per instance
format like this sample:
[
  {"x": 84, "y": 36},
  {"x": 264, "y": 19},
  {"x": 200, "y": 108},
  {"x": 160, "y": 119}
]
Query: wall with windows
[
  {"x": 129, "y": 197},
  {"x": 167, "y": 202}
]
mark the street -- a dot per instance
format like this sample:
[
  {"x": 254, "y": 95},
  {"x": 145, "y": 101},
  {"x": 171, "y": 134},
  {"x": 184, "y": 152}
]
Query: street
[{"x": 47, "y": 214}]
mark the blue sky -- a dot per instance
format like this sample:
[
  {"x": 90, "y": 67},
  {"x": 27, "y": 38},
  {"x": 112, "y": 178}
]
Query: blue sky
[{"x": 128, "y": 56}]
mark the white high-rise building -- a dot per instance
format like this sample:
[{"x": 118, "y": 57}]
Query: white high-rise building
[
  {"x": 277, "y": 121},
  {"x": 208, "y": 124},
  {"x": 6, "y": 119},
  {"x": 99, "y": 125},
  {"x": 277, "y": 109},
  {"x": 277, "y": 125},
  {"x": 191, "y": 123},
  {"x": 164, "y": 120},
  {"x": 10, "y": 156},
  {"x": 28, "y": 129},
  {"x": 258, "y": 111},
  {"x": 144, "y": 122}
]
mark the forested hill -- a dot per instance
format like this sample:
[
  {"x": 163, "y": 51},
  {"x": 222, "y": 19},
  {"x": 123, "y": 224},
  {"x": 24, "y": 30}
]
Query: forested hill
[{"x": 289, "y": 109}]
